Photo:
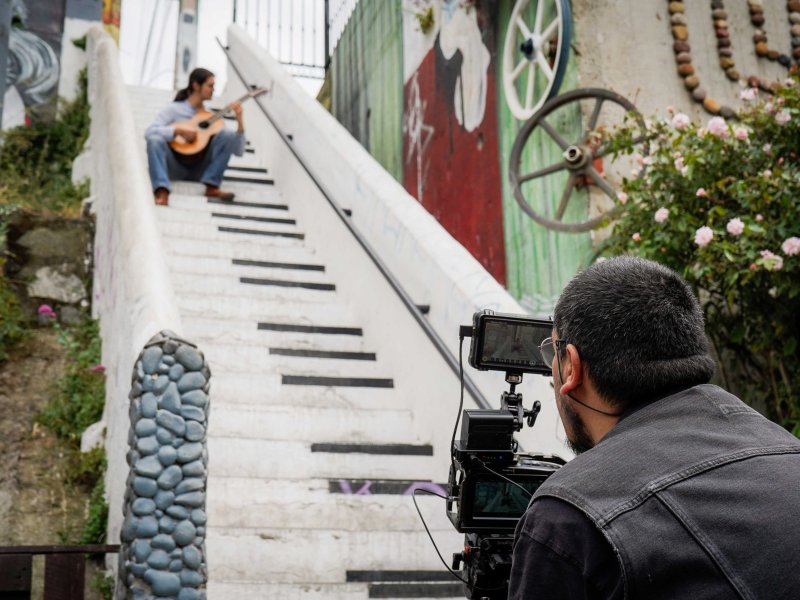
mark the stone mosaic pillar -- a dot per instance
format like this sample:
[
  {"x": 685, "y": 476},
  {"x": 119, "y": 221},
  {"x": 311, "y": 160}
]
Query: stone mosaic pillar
[{"x": 163, "y": 534}]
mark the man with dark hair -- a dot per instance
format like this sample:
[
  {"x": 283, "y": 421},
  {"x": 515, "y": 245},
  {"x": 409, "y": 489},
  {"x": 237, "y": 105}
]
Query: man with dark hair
[
  {"x": 679, "y": 489},
  {"x": 207, "y": 167}
]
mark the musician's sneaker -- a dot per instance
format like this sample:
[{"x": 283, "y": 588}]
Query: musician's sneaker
[
  {"x": 161, "y": 196},
  {"x": 215, "y": 192}
]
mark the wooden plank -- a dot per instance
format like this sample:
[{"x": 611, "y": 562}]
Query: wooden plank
[
  {"x": 63, "y": 576},
  {"x": 88, "y": 549},
  {"x": 15, "y": 577}
]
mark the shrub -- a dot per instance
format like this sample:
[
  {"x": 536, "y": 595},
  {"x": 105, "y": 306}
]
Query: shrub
[{"x": 720, "y": 205}]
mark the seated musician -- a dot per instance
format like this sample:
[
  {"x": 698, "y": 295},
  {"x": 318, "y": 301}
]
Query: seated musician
[{"x": 209, "y": 165}]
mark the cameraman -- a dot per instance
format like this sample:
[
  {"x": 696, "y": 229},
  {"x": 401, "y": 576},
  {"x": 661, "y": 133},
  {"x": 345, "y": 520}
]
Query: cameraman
[{"x": 679, "y": 489}]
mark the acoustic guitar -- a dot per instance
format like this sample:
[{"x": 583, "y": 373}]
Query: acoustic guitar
[{"x": 205, "y": 124}]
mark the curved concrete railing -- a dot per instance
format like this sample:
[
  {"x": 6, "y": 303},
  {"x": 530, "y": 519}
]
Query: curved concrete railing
[
  {"x": 431, "y": 266},
  {"x": 132, "y": 293}
]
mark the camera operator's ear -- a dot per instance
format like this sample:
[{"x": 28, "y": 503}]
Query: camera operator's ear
[{"x": 572, "y": 370}]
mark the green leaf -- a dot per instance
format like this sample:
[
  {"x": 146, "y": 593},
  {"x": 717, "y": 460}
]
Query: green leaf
[{"x": 789, "y": 346}]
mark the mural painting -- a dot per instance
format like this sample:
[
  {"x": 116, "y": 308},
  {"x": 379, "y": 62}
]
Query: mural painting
[
  {"x": 33, "y": 61},
  {"x": 111, "y": 12},
  {"x": 450, "y": 144}
]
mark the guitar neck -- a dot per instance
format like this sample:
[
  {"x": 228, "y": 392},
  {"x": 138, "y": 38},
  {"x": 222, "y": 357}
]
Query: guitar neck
[{"x": 223, "y": 111}]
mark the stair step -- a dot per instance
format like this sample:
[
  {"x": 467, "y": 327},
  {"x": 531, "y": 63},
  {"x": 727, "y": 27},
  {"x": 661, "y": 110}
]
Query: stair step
[{"x": 235, "y": 268}]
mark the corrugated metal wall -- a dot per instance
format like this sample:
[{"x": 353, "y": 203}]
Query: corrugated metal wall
[{"x": 366, "y": 76}]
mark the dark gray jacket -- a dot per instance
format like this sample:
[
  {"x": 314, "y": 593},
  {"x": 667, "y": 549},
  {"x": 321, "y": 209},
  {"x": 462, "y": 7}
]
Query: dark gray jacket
[{"x": 698, "y": 494}]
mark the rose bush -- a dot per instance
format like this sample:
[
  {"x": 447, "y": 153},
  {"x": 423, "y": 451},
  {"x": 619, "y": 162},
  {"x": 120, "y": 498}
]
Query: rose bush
[{"x": 720, "y": 204}]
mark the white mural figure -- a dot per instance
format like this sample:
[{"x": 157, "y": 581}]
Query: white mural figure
[
  {"x": 460, "y": 32},
  {"x": 419, "y": 134}
]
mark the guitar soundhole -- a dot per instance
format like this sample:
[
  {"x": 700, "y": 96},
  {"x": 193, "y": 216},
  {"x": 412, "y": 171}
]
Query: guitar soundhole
[{"x": 203, "y": 124}]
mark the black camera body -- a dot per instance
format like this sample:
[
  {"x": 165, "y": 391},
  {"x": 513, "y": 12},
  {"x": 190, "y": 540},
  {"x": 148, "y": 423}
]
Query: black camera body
[{"x": 491, "y": 482}]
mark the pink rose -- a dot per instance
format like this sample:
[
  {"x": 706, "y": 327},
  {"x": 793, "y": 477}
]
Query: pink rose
[
  {"x": 718, "y": 127},
  {"x": 791, "y": 246},
  {"x": 670, "y": 110},
  {"x": 749, "y": 94},
  {"x": 772, "y": 262},
  {"x": 622, "y": 197},
  {"x": 97, "y": 369},
  {"x": 767, "y": 148},
  {"x": 767, "y": 173},
  {"x": 782, "y": 117},
  {"x": 740, "y": 133},
  {"x": 636, "y": 237},
  {"x": 703, "y": 236},
  {"x": 681, "y": 121},
  {"x": 661, "y": 215},
  {"x": 701, "y": 193},
  {"x": 735, "y": 226},
  {"x": 46, "y": 310},
  {"x": 759, "y": 218}
]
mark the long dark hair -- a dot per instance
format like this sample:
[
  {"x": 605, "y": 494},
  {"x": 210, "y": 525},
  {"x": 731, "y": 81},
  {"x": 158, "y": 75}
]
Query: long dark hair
[{"x": 198, "y": 76}]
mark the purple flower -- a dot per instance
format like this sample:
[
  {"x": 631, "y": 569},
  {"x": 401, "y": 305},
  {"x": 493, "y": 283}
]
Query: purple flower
[
  {"x": 46, "y": 310},
  {"x": 703, "y": 236}
]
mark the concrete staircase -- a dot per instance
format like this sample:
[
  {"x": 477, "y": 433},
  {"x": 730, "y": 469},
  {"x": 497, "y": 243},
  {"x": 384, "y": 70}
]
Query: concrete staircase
[{"x": 313, "y": 452}]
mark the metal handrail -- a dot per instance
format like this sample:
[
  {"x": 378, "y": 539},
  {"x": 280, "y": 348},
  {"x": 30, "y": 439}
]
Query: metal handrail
[{"x": 437, "y": 341}]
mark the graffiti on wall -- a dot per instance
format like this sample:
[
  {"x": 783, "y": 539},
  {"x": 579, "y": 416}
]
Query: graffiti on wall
[
  {"x": 34, "y": 45},
  {"x": 111, "y": 12},
  {"x": 450, "y": 146}
]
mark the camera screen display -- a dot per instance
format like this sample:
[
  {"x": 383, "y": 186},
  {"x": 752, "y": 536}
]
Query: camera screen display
[
  {"x": 501, "y": 498},
  {"x": 514, "y": 343}
]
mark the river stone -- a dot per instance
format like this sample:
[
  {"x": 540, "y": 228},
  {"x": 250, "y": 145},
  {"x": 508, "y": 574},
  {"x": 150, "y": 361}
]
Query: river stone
[
  {"x": 793, "y": 6},
  {"x": 726, "y": 63},
  {"x": 719, "y": 14},
  {"x": 161, "y": 583},
  {"x": 160, "y": 384},
  {"x": 678, "y": 19},
  {"x": 191, "y": 381},
  {"x": 150, "y": 359},
  {"x": 171, "y": 476},
  {"x": 725, "y": 52},
  {"x": 148, "y": 445},
  {"x": 136, "y": 390},
  {"x": 726, "y": 112},
  {"x": 784, "y": 60},
  {"x": 711, "y": 105},
  {"x": 762, "y": 48},
  {"x": 177, "y": 442},
  {"x": 184, "y": 533},
  {"x": 178, "y": 512},
  {"x": 176, "y": 372},
  {"x": 190, "y": 452},
  {"x": 190, "y": 594},
  {"x": 757, "y": 19},
  {"x": 189, "y": 485},
  {"x": 196, "y": 398},
  {"x": 143, "y": 506},
  {"x": 194, "y": 469},
  {"x": 195, "y": 431},
  {"x": 691, "y": 82},
  {"x": 149, "y": 405},
  {"x": 148, "y": 467},
  {"x": 193, "y": 413},
  {"x": 199, "y": 517},
  {"x": 163, "y": 542},
  {"x": 166, "y": 524},
  {"x": 164, "y": 500},
  {"x": 164, "y": 436},
  {"x": 145, "y": 427},
  {"x": 189, "y": 358},
  {"x": 176, "y": 566},
  {"x": 201, "y": 531},
  {"x": 794, "y": 17},
  {"x": 723, "y": 42},
  {"x": 139, "y": 370},
  {"x": 732, "y": 74},
  {"x": 191, "y": 578},
  {"x": 171, "y": 421},
  {"x": 684, "y": 57},
  {"x": 138, "y": 570},
  {"x": 680, "y": 33},
  {"x": 144, "y": 487},
  {"x": 140, "y": 550},
  {"x": 168, "y": 360},
  {"x": 131, "y": 456},
  {"x": 191, "y": 499},
  {"x": 167, "y": 455},
  {"x": 158, "y": 559},
  {"x": 171, "y": 400},
  {"x": 129, "y": 527},
  {"x": 685, "y": 70},
  {"x": 148, "y": 527}
]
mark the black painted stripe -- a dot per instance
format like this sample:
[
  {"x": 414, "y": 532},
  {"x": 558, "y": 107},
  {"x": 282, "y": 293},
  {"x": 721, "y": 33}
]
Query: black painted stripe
[
  {"x": 249, "y": 150},
  {"x": 311, "y": 328},
  {"x": 286, "y": 234},
  {"x": 337, "y": 381},
  {"x": 247, "y": 169},
  {"x": 306, "y": 285},
  {"x": 257, "y": 219},
  {"x": 416, "y": 590},
  {"x": 248, "y": 204},
  {"x": 276, "y": 265},
  {"x": 424, "y": 308},
  {"x": 380, "y": 487},
  {"x": 395, "y": 576},
  {"x": 401, "y": 449},
  {"x": 248, "y": 180},
  {"x": 302, "y": 352}
]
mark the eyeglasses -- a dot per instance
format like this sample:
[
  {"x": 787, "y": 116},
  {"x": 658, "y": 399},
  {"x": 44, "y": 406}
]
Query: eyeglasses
[{"x": 548, "y": 349}]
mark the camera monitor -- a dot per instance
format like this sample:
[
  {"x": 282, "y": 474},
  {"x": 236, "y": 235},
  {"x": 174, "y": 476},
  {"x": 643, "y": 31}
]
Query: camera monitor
[{"x": 504, "y": 342}]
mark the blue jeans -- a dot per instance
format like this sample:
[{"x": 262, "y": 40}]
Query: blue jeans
[{"x": 164, "y": 166}]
